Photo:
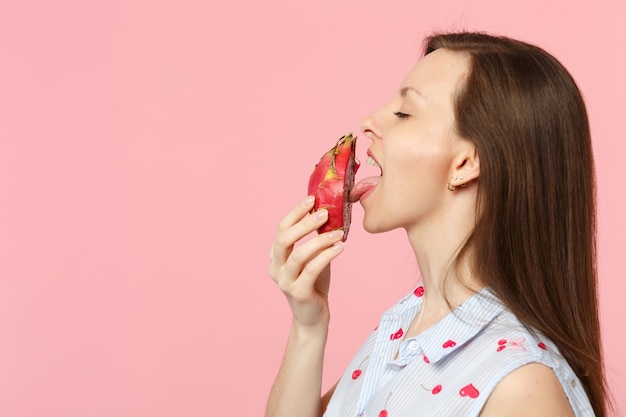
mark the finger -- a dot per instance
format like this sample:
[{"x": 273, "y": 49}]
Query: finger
[
  {"x": 286, "y": 239},
  {"x": 296, "y": 213},
  {"x": 314, "y": 268},
  {"x": 307, "y": 252},
  {"x": 287, "y": 272}
]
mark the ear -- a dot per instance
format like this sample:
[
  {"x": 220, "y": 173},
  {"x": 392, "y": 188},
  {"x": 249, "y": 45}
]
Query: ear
[{"x": 466, "y": 166}]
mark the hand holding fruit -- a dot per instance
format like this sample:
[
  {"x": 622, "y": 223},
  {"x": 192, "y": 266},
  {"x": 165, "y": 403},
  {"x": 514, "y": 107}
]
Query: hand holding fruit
[{"x": 303, "y": 272}]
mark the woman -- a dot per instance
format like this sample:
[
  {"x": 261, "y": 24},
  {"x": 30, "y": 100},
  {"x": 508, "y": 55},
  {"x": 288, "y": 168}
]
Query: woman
[{"x": 488, "y": 166}]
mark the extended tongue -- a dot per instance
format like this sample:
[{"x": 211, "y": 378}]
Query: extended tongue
[{"x": 362, "y": 187}]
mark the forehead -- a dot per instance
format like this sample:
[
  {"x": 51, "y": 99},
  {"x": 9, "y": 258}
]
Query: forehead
[{"x": 438, "y": 75}]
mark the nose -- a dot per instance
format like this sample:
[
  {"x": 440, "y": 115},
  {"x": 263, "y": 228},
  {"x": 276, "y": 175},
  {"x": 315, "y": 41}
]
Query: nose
[{"x": 370, "y": 126}]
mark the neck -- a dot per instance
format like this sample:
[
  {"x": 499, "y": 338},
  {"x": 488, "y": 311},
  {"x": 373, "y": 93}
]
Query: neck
[{"x": 436, "y": 244}]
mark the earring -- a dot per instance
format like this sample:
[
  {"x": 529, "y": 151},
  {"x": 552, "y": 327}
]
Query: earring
[{"x": 450, "y": 186}]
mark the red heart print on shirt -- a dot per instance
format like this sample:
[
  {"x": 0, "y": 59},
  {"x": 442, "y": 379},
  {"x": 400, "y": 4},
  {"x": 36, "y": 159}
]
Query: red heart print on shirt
[
  {"x": 419, "y": 291},
  {"x": 469, "y": 391},
  {"x": 384, "y": 412},
  {"x": 513, "y": 344},
  {"x": 397, "y": 335},
  {"x": 435, "y": 390},
  {"x": 501, "y": 345},
  {"x": 449, "y": 343},
  {"x": 357, "y": 372}
]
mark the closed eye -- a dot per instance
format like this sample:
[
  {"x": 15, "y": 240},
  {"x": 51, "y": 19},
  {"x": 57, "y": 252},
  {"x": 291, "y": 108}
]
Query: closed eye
[{"x": 401, "y": 115}]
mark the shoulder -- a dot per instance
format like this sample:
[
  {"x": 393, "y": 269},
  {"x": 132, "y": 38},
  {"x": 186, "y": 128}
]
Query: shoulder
[{"x": 530, "y": 390}]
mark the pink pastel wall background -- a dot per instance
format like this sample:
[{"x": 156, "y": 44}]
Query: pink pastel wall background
[{"x": 148, "y": 148}]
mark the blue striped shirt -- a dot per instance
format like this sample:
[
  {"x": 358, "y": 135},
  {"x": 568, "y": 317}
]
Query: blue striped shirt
[{"x": 449, "y": 369}]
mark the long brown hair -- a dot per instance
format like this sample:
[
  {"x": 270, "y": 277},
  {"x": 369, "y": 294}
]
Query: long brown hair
[{"x": 534, "y": 242}]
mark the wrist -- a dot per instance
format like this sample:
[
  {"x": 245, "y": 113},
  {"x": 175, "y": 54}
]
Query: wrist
[{"x": 304, "y": 333}]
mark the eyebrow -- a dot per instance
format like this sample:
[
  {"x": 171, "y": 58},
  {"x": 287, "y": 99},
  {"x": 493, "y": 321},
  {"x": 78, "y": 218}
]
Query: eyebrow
[{"x": 405, "y": 90}]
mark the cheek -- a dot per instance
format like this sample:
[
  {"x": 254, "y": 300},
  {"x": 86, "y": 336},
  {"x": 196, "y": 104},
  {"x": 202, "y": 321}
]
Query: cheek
[
  {"x": 428, "y": 167},
  {"x": 419, "y": 161}
]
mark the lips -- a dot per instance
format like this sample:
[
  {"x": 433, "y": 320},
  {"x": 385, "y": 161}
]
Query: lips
[
  {"x": 364, "y": 187},
  {"x": 371, "y": 160}
]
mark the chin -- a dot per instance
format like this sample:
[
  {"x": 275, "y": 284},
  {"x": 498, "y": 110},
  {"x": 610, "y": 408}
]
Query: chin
[{"x": 372, "y": 226}]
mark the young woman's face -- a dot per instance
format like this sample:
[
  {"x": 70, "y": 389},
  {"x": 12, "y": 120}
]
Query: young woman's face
[{"x": 414, "y": 141}]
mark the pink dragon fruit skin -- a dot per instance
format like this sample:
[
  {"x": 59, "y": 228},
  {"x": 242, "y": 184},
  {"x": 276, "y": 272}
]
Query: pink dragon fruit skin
[{"x": 331, "y": 182}]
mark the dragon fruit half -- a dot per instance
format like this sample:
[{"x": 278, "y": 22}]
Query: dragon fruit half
[{"x": 331, "y": 182}]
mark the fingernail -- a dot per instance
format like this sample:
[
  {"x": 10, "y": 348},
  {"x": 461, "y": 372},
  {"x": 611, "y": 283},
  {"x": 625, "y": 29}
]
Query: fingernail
[
  {"x": 335, "y": 234},
  {"x": 338, "y": 246},
  {"x": 321, "y": 214},
  {"x": 308, "y": 201}
]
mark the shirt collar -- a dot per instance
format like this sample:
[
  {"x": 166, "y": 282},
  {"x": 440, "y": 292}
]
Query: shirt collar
[{"x": 456, "y": 328}]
